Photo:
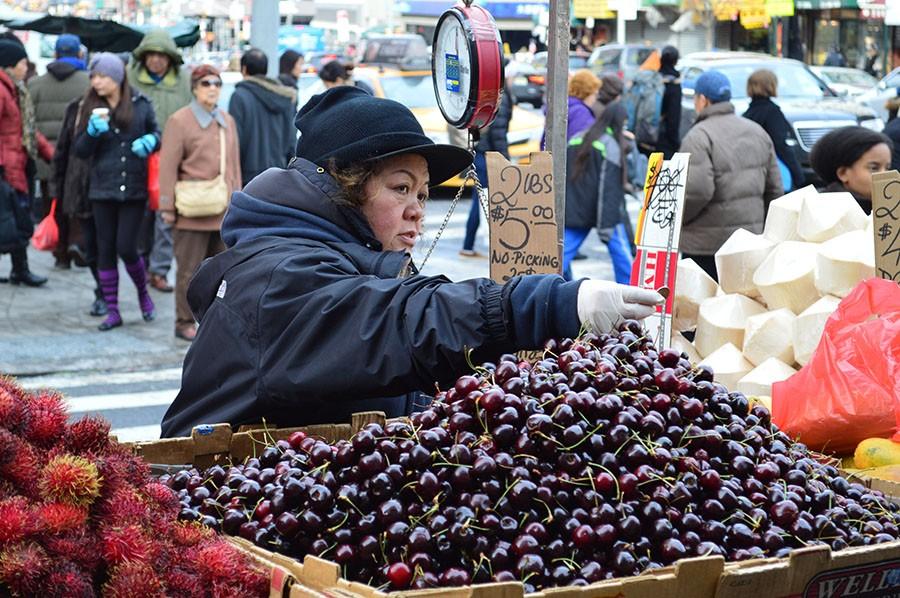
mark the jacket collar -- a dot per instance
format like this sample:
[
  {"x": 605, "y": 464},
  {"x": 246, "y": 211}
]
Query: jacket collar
[
  {"x": 205, "y": 117},
  {"x": 717, "y": 109},
  {"x": 169, "y": 81}
]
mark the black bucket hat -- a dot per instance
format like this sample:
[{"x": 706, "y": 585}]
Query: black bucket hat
[{"x": 348, "y": 125}]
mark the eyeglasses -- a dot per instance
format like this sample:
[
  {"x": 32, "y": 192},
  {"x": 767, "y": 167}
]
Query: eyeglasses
[{"x": 211, "y": 83}]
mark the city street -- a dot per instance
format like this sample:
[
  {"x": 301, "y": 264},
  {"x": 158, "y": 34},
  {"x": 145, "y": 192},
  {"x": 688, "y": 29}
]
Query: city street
[{"x": 131, "y": 374}]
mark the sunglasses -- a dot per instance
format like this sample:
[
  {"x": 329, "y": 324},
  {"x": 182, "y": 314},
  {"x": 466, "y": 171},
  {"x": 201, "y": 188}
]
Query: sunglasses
[{"x": 211, "y": 83}]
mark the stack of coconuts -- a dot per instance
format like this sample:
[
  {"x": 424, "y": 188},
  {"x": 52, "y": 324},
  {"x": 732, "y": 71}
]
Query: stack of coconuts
[{"x": 776, "y": 290}]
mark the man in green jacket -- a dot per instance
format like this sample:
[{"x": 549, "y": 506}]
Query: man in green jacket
[{"x": 157, "y": 72}]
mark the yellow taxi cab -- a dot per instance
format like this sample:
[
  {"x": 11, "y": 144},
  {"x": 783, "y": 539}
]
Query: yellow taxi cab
[{"x": 414, "y": 89}]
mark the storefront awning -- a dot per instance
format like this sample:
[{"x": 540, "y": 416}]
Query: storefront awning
[{"x": 824, "y": 4}]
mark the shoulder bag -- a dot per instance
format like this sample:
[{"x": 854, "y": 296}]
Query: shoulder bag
[{"x": 198, "y": 199}]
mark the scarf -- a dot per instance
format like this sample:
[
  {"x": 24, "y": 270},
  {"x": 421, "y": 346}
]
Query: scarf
[{"x": 26, "y": 108}]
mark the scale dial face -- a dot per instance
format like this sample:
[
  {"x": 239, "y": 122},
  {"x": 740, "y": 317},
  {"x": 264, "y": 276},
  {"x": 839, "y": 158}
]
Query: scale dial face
[{"x": 452, "y": 68}]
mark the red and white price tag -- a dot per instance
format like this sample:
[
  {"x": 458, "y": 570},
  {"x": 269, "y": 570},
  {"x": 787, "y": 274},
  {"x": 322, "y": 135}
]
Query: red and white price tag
[{"x": 657, "y": 236}]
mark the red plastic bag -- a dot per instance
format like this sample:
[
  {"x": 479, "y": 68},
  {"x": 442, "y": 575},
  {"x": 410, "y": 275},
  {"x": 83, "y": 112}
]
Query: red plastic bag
[
  {"x": 850, "y": 389},
  {"x": 153, "y": 181},
  {"x": 46, "y": 233}
]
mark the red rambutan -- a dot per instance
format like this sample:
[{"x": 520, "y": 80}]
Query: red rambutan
[
  {"x": 220, "y": 562},
  {"x": 14, "y": 405},
  {"x": 120, "y": 468},
  {"x": 127, "y": 543},
  {"x": 47, "y": 423},
  {"x": 16, "y": 520},
  {"x": 67, "y": 580},
  {"x": 23, "y": 567},
  {"x": 70, "y": 479},
  {"x": 20, "y": 463},
  {"x": 133, "y": 579},
  {"x": 189, "y": 533},
  {"x": 161, "y": 498},
  {"x": 123, "y": 507},
  {"x": 90, "y": 434},
  {"x": 78, "y": 546},
  {"x": 185, "y": 583},
  {"x": 58, "y": 517}
]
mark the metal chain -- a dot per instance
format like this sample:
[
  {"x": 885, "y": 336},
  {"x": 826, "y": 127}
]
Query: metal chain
[{"x": 471, "y": 174}]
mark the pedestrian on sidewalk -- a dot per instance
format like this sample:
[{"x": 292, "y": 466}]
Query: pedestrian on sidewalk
[
  {"x": 595, "y": 191},
  {"x": 733, "y": 174},
  {"x": 20, "y": 143},
  {"x": 157, "y": 71},
  {"x": 290, "y": 66},
  {"x": 492, "y": 139},
  {"x": 846, "y": 159},
  {"x": 119, "y": 133},
  {"x": 263, "y": 110},
  {"x": 66, "y": 79},
  {"x": 762, "y": 86},
  {"x": 70, "y": 178},
  {"x": 198, "y": 141}
]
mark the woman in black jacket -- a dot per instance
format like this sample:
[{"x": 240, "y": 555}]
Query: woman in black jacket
[
  {"x": 118, "y": 132},
  {"x": 315, "y": 310},
  {"x": 762, "y": 86}
]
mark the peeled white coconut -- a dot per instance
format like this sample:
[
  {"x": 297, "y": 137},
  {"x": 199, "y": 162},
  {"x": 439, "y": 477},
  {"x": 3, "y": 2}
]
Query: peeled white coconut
[
  {"x": 768, "y": 335},
  {"x": 829, "y": 215},
  {"x": 758, "y": 382},
  {"x": 844, "y": 261},
  {"x": 679, "y": 343},
  {"x": 722, "y": 320},
  {"x": 784, "y": 212},
  {"x": 786, "y": 277},
  {"x": 728, "y": 365},
  {"x": 738, "y": 259},
  {"x": 809, "y": 325},
  {"x": 692, "y": 286}
]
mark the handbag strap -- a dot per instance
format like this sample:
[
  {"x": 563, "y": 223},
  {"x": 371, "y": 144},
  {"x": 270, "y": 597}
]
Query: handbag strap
[{"x": 221, "y": 151}]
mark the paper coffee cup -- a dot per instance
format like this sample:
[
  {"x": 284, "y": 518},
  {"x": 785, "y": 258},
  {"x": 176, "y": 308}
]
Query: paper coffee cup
[{"x": 101, "y": 112}]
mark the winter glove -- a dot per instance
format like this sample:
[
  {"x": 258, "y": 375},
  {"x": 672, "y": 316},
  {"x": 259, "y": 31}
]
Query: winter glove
[
  {"x": 603, "y": 305},
  {"x": 97, "y": 126},
  {"x": 143, "y": 146}
]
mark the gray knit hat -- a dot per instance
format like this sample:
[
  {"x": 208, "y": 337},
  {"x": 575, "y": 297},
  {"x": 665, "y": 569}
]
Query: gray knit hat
[{"x": 108, "y": 64}]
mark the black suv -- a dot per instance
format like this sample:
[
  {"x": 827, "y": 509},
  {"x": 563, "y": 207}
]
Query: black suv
[{"x": 810, "y": 106}]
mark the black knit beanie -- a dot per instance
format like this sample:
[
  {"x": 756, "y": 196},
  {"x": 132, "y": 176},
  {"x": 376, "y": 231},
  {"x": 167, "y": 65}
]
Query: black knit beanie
[
  {"x": 11, "y": 53},
  {"x": 346, "y": 125}
]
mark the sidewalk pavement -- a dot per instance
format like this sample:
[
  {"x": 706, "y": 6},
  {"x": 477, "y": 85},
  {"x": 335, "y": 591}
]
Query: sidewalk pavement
[{"x": 48, "y": 329}]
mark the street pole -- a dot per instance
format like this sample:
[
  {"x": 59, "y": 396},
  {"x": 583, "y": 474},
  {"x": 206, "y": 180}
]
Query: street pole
[
  {"x": 620, "y": 26},
  {"x": 264, "y": 23},
  {"x": 557, "y": 83}
]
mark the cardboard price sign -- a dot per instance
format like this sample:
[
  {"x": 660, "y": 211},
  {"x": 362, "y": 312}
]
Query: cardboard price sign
[
  {"x": 886, "y": 220},
  {"x": 657, "y": 236},
  {"x": 522, "y": 217}
]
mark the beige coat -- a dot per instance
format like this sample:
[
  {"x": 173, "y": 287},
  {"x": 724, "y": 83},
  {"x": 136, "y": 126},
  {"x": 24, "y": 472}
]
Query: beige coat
[
  {"x": 191, "y": 153},
  {"x": 731, "y": 178}
]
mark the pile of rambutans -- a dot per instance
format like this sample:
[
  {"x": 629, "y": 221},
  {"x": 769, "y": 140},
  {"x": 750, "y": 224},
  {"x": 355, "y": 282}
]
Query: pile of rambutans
[{"x": 81, "y": 516}]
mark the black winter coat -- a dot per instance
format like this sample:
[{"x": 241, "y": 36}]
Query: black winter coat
[
  {"x": 117, "y": 174},
  {"x": 16, "y": 226},
  {"x": 669, "y": 139},
  {"x": 892, "y": 130},
  {"x": 768, "y": 115},
  {"x": 494, "y": 138},
  {"x": 305, "y": 320},
  {"x": 596, "y": 198},
  {"x": 70, "y": 174},
  {"x": 264, "y": 111}
]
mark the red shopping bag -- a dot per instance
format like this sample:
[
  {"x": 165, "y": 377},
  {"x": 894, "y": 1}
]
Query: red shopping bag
[
  {"x": 46, "y": 233},
  {"x": 153, "y": 181},
  {"x": 850, "y": 389}
]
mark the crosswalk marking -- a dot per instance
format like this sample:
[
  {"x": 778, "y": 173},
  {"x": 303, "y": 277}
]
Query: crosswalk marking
[
  {"x": 136, "y": 433},
  {"x": 130, "y": 400},
  {"x": 61, "y": 382}
]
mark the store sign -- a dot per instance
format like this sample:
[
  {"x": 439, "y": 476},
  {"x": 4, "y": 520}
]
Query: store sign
[
  {"x": 592, "y": 9},
  {"x": 892, "y": 12},
  {"x": 780, "y": 8},
  {"x": 725, "y": 10},
  {"x": 886, "y": 224},
  {"x": 499, "y": 10}
]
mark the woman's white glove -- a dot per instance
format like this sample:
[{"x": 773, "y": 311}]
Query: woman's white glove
[{"x": 603, "y": 305}]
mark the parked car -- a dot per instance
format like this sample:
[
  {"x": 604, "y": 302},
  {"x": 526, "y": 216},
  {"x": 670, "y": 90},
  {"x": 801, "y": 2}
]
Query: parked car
[
  {"x": 846, "y": 81},
  {"x": 809, "y": 104},
  {"x": 622, "y": 59},
  {"x": 526, "y": 83},
  {"x": 577, "y": 60},
  {"x": 885, "y": 90}
]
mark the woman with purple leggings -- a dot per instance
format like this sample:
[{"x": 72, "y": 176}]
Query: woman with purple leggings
[{"x": 118, "y": 133}]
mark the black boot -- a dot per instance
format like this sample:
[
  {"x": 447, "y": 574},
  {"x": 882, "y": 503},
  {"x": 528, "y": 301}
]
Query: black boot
[
  {"x": 20, "y": 273},
  {"x": 98, "y": 307}
]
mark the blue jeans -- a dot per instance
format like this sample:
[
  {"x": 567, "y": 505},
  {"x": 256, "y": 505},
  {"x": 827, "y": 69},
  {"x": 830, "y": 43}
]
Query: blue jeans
[
  {"x": 618, "y": 246},
  {"x": 475, "y": 209}
]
